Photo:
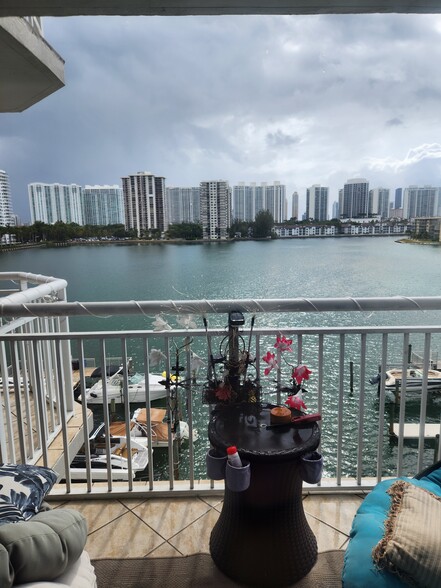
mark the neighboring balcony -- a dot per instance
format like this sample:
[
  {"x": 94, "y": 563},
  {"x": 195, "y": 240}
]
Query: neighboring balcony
[{"x": 31, "y": 68}]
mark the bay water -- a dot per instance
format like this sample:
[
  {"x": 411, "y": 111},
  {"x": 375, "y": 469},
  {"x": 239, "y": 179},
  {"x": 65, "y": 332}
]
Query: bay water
[{"x": 309, "y": 268}]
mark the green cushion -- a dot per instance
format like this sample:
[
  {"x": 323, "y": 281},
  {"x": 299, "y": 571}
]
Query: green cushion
[
  {"x": 42, "y": 548},
  {"x": 411, "y": 546}
]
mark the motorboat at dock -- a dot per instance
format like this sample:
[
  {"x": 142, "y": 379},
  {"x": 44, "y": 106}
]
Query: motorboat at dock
[
  {"x": 136, "y": 388},
  {"x": 159, "y": 428},
  {"x": 414, "y": 380},
  {"x": 119, "y": 458}
]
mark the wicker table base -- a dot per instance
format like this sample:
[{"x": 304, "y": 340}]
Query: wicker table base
[{"x": 262, "y": 537}]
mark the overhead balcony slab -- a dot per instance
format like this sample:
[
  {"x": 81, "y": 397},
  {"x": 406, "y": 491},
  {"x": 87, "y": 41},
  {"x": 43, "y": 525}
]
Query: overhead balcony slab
[
  {"x": 211, "y": 7},
  {"x": 31, "y": 68}
]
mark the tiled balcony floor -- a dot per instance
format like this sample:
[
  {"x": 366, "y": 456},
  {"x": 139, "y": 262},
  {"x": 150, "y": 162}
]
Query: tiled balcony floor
[{"x": 164, "y": 527}]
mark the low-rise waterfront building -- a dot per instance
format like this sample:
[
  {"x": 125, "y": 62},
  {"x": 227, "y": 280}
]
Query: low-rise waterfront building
[{"x": 427, "y": 227}]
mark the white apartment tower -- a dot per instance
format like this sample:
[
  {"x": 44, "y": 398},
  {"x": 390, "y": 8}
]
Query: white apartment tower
[
  {"x": 317, "y": 202},
  {"x": 421, "y": 201},
  {"x": 249, "y": 199},
  {"x": 102, "y": 205},
  {"x": 6, "y": 215},
  {"x": 244, "y": 196},
  {"x": 183, "y": 205},
  {"x": 379, "y": 200},
  {"x": 144, "y": 202},
  {"x": 215, "y": 202},
  {"x": 50, "y": 203}
]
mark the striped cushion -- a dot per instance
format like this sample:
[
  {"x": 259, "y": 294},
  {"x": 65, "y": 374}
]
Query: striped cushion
[{"x": 411, "y": 546}]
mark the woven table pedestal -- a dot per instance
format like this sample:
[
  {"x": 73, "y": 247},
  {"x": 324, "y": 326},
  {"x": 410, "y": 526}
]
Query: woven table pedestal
[{"x": 262, "y": 537}]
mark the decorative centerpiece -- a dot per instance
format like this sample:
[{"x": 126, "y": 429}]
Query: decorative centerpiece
[
  {"x": 295, "y": 389},
  {"x": 232, "y": 373}
]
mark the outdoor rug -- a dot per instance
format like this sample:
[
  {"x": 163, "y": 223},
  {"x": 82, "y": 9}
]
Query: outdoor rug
[{"x": 199, "y": 571}]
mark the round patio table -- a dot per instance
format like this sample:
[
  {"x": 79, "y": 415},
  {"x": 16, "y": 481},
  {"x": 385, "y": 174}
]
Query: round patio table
[{"x": 262, "y": 537}]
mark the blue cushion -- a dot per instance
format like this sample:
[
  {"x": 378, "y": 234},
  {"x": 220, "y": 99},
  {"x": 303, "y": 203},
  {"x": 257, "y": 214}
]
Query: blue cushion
[{"x": 359, "y": 570}]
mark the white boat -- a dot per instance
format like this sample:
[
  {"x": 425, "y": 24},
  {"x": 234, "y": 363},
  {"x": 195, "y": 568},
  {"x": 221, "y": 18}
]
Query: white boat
[
  {"x": 139, "y": 429},
  {"x": 119, "y": 458},
  {"x": 414, "y": 380},
  {"x": 136, "y": 389}
]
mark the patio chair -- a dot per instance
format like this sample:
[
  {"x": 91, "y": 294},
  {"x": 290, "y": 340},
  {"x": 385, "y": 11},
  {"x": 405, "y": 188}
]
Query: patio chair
[{"x": 395, "y": 538}]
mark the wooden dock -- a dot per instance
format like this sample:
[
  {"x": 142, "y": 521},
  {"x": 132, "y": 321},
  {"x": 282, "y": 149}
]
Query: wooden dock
[{"x": 412, "y": 430}]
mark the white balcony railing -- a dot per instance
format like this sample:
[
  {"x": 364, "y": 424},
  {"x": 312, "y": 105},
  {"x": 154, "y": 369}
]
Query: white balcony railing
[{"x": 356, "y": 443}]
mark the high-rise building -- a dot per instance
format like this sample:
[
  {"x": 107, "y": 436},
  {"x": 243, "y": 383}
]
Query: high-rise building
[
  {"x": 398, "y": 198},
  {"x": 249, "y": 199},
  {"x": 144, "y": 202},
  {"x": 50, "y": 203},
  {"x": 275, "y": 200},
  {"x": 295, "y": 205},
  {"x": 355, "y": 201},
  {"x": 6, "y": 215},
  {"x": 335, "y": 210},
  {"x": 215, "y": 202},
  {"x": 317, "y": 202},
  {"x": 379, "y": 202},
  {"x": 244, "y": 201},
  {"x": 102, "y": 205},
  {"x": 183, "y": 205},
  {"x": 421, "y": 201}
]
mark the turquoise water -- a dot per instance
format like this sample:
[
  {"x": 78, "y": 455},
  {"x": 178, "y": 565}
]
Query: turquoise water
[{"x": 337, "y": 267}]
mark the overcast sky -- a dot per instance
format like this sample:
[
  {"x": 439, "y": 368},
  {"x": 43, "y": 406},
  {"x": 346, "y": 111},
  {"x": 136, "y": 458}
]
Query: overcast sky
[{"x": 303, "y": 100}]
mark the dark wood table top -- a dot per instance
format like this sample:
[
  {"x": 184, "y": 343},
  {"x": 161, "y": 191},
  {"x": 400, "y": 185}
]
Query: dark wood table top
[{"x": 245, "y": 426}]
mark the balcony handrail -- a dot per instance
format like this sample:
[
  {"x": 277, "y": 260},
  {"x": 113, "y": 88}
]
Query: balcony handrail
[{"x": 10, "y": 308}]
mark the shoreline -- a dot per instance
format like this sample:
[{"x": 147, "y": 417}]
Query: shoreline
[{"x": 18, "y": 246}]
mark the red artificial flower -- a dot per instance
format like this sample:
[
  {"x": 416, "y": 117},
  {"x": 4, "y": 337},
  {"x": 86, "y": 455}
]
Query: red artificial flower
[
  {"x": 283, "y": 343},
  {"x": 296, "y": 402},
  {"x": 271, "y": 360},
  {"x": 300, "y": 373}
]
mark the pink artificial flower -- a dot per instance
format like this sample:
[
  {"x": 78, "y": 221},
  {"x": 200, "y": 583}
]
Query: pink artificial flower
[
  {"x": 223, "y": 392},
  {"x": 271, "y": 360},
  {"x": 283, "y": 343},
  {"x": 301, "y": 373},
  {"x": 295, "y": 402}
]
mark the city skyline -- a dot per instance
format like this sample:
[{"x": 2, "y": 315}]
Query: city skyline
[
  {"x": 303, "y": 100},
  {"x": 103, "y": 205}
]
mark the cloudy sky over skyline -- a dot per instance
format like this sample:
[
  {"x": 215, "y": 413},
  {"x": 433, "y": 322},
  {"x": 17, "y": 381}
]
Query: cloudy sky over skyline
[{"x": 301, "y": 100}]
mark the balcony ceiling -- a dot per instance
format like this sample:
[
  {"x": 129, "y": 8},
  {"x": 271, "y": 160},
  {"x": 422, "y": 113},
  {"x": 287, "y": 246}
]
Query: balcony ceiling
[
  {"x": 210, "y": 7},
  {"x": 31, "y": 69}
]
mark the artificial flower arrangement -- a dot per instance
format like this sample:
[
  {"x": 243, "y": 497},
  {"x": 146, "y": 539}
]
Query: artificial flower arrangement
[{"x": 298, "y": 374}]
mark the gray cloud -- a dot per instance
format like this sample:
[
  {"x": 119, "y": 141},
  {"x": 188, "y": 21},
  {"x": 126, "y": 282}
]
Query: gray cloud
[
  {"x": 230, "y": 97},
  {"x": 394, "y": 122}
]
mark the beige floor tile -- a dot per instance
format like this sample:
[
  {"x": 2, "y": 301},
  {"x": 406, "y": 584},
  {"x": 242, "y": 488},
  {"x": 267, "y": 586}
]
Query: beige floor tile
[
  {"x": 214, "y": 501},
  {"x": 99, "y": 512},
  {"x": 168, "y": 517},
  {"x": 125, "y": 537},
  {"x": 196, "y": 537},
  {"x": 327, "y": 537},
  {"x": 131, "y": 503},
  {"x": 336, "y": 511},
  {"x": 165, "y": 550}
]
